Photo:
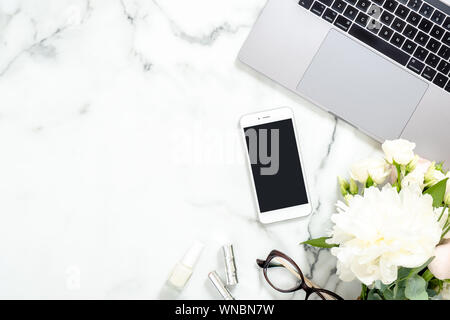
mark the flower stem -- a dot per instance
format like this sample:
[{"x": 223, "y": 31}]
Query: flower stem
[
  {"x": 399, "y": 176},
  {"x": 363, "y": 292},
  {"x": 427, "y": 275},
  {"x": 440, "y": 217},
  {"x": 445, "y": 232}
]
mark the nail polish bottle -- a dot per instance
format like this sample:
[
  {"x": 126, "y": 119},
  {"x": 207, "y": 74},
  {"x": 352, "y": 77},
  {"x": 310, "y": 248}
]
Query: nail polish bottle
[
  {"x": 181, "y": 274},
  {"x": 183, "y": 269}
]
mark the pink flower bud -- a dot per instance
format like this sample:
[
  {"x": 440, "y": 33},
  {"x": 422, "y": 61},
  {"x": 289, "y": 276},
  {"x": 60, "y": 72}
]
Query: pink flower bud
[{"x": 440, "y": 266}]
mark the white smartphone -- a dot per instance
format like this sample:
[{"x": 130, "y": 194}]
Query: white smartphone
[{"x": 275, "y": 165}]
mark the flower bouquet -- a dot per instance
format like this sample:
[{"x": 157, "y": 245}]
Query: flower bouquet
[{"x": 391, "y": 231}]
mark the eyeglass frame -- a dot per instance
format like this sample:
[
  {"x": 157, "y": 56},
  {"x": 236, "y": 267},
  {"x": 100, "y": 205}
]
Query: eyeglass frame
[{"x": 265, "y": 264}]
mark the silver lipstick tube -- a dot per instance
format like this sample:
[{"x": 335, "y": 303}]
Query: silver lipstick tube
[
  {"x": 230, "y": 265},
  {"x": 217, "y": 282}
]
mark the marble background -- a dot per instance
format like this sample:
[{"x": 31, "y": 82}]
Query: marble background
[{"x": 120, "y": 146}]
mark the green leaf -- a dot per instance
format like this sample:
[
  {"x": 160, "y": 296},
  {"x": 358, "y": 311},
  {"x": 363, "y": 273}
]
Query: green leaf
[
  {"x": 381, "y": 286},
  {"x": 406, "y": 273},
  {"x": 400, "y": 291},
  {"x": 431, "y": 293},
  {"x": 374, "y": 295},
  {"x": 440, "y": 167},
  {"x": 435, "y": 284},
  {"x": 403, "y": 273},
  {"x": 388, "y": 295},
  {"x": 320, "y": 243},
  {"x": 370, "y": 182},
  {"x": 416, "y": 288},
  {"x": 437, "y": 192}
]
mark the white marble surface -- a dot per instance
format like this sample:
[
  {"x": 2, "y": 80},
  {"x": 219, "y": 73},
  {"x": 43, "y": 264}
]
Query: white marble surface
[{"x": 119, "y": 147}]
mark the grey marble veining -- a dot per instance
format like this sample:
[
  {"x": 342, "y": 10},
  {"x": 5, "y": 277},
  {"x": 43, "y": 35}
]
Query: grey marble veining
[{"x": 120, "y": 147}]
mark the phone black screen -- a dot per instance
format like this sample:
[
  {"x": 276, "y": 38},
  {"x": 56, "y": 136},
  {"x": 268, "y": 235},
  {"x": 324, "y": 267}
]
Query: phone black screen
[{"x": 275, "y": 165}]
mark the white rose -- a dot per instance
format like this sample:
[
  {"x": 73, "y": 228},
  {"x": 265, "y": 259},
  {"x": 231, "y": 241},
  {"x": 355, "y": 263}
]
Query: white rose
[
  {"x": 401, "y": 151},
  {"x": 417, "y": 176},
  {"x": 376, "y": 168},
  {"x": 433, "y": 176}
]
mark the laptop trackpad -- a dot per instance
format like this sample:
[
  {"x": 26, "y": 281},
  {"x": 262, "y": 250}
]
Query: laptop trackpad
[{"x": 361, "y": 86}]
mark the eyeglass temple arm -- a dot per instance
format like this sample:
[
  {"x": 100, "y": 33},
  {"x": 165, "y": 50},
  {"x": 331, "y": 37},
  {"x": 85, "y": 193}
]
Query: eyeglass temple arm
[{"x": 295, "y": 273}]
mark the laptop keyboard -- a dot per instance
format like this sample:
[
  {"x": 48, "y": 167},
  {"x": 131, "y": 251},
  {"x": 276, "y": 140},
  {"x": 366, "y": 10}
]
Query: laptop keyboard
[{"x": 410, "y": 32}]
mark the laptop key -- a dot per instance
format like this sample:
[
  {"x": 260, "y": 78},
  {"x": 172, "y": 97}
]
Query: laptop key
[
  {"x": 437, "y": 32},
  {"x": 425, "y": 25},
  {"x": 306, "y": 3},
  {"x": 387, "y": 18},
  {"x": 352, "y": 2},
  {"x": 438, "y": 17},
  {"x": 362, "y": 19},
  {"x": 351, "y": 12},
  {"x": 414, "y": 18},
  {"x": 326, "y": 2},
  {"x": 378, "y": 2},
  {"x": 409, "y": 46},
  {"x": 402, "y": 11},
  {"x": 342, "y": 23},
  {"x": 446, "y": 24},
  {"x": 415, "y": 4},
  {"x": 422, "y": 38},
  {"x": 397, "y": 40},
  {"x": 443, "y": 67},
  {"x": 390, "y": 5},
  {"x": 440, "y": 80},
  {"x": 421, "y": 53},
  {"x": 363, "y": 5},
  {"x": 374, "y": 25},
  {"x": 375, "y": 42},
  {"x": 447, "y": 88},
  {"x": 426, "y": 10},
  {"x": 318, "y": 8},
  {"x": 386, "y": 33},
  {"x": 398, "y": 25},
  {"x": 329, "y": 15},
  {"x": 429, "y": 73},
  {"x": 339, "y": 6},
  {"x": 374, "y": 11},
  {"x": 416, "y": 66},
  {"x": 433, "y": 45},
  {"x": 410, "y": 31},
  {"x": 432, "y": 60},
  {"x": 444, "y": 52},
  {"x": 446, "y": 38}
]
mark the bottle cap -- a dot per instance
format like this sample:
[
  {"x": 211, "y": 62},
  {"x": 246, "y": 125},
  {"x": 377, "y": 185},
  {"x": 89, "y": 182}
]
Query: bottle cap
[
  {"x": 230, "y": 265},
  {"x": 191, "y": 256}
]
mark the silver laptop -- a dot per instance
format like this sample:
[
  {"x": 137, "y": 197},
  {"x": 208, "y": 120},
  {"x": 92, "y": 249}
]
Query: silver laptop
[{"x": 381, "y": 65}]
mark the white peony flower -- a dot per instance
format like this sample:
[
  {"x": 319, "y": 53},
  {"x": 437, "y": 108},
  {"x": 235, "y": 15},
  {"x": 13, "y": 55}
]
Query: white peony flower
[
  {"x": 377, "y": 169},
  {"x": 417, "y": 176},
  {"x": 401, "y": 151},
  {"x": 383, "y": 230}
]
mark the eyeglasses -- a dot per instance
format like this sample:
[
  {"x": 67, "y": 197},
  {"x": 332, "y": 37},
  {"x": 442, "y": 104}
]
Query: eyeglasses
[{"x": 284, "y": 275}]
